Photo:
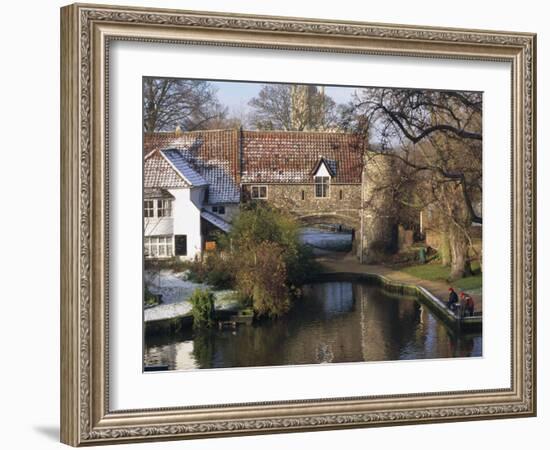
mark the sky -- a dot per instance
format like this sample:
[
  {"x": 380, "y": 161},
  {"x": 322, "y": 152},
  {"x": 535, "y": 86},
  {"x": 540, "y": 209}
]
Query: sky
[{"x": 236, "y": 95}]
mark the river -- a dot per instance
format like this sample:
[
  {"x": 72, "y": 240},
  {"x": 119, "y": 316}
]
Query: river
[{"x": 333, "y": 322}]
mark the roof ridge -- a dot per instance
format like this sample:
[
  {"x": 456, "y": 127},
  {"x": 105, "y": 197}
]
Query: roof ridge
[
  {"x": 312, "y": 132},
  {"x": 194, "y": 178},
  {"x": 181, "y": 133},
  {"x": 318, "y": 133}
]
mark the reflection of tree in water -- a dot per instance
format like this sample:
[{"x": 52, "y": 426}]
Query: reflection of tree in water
[{"x": 203, "y": 348}]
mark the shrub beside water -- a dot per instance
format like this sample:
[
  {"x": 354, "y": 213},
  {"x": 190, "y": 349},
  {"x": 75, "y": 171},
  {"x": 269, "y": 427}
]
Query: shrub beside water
[
  {"x": 214, "y": 269},
  {"x": 261, "y": 257},
  {"x": 262, "y": 277},
  {"x": 202, "y": 302},
  {"x": 270, "y": 263}
]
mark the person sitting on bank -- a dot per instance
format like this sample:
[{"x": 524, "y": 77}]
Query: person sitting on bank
[
  {"x": 453, "y": 299},
  {"x": 468, "y": 303}
]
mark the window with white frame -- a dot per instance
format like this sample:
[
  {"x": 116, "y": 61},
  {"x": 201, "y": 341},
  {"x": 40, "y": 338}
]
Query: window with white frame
[
  {"x": 157, "y": 208},
  {"x": 258, "y": 192},
  {"x": 149, "y": 208},
  {"x": 321, "y": 186},
  {"x": 220, "y": 209},
  {"x": 158, "y": 246},
  {"x": 164, "y": 208}
]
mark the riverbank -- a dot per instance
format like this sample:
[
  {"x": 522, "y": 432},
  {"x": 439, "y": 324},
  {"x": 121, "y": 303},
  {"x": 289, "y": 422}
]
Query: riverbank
[
  {"x": 335, "y": 321},
  {"x": 432, "y": 292},
  {"x": 175, "y": 291},
  {"x": 175, "y": 310},
  {"x": 346, "y": 262}
]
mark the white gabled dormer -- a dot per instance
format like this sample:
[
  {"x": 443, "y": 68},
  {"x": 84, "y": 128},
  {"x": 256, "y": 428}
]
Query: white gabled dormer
[
  {"x": 322, "y": 175},
  {"x": 322, "y": 169}
]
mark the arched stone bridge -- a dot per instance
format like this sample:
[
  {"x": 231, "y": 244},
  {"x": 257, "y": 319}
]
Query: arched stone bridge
[{"x": 348, "y": 219}]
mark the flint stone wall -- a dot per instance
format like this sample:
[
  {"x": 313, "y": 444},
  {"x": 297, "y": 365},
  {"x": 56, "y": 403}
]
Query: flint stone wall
[{"x": 342, "y": 205}]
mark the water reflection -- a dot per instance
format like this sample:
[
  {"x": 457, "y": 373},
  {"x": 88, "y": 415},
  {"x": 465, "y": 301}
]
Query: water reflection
[{"x": 334, "y": 322}]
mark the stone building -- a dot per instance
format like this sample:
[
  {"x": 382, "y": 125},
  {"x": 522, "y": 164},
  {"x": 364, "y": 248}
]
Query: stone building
[
  {"x": 379, "y": 230},
  {"x": 318, "y": 177}
]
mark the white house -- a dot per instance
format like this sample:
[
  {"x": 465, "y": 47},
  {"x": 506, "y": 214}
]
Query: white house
[{"x": 184, "y": 198}]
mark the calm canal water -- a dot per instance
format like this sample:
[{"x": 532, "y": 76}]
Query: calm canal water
[{"x": 334, "y": 322}]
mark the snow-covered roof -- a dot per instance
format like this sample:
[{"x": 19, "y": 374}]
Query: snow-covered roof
[
  {"x": 213, "y": 154},
  {"x": 159, "y": 173},
  {"x": 293, "y": 156},
  {"x": 228, "y": 158},
  {"x": 222, "y": 187},
  {"x": 178, "y": 160},
  {"x": 216, "y": 220}
]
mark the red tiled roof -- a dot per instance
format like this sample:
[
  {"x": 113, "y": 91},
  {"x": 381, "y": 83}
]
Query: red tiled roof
[
  {"x": 206, "y": 145},
  {"x": 263, "y": 156},
  {"x": 158, "y": 173},
  {"x": 279, "y": 156},
  {"x": 211, "y": 153}
]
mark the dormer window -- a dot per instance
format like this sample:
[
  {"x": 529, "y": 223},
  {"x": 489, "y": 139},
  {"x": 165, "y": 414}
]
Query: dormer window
[
  {"x": 322, "y": 173},
  {"x": 322, "y": 186}
]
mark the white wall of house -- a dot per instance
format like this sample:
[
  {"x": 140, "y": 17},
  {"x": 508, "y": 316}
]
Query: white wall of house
[
  {"x": 186, "y": 213},
  {"x": 231, "y": 210},
  {"x": 185, "y": 219},
  {"x": 158, "y": 226}
]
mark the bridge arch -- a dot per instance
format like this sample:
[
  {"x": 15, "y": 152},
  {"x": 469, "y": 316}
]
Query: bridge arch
[
  {"x": 352, "y": 223},
  {"x": 335, "y": 218}
]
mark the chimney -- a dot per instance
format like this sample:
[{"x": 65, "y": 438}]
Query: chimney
[{"x": 178, "y": 131}]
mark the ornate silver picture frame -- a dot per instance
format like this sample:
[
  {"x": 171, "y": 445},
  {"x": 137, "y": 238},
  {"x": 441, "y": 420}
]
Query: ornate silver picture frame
[{"x": 87, "y": 32}]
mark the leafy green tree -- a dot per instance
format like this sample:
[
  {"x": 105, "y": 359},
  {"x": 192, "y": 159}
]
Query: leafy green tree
[
  {"x": 269, "y": 261},
  {"x": 262, "y": 277}
]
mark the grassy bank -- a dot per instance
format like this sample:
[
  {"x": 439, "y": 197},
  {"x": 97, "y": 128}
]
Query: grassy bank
[{"x": 437, "y": 272}]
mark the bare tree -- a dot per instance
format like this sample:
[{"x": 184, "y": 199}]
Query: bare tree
[
  {"x": 236, "y": 117},
  {"x": 293, "y": 108},
  {"x": 272, "y": 107},
  {"x": 436, "y": 137},
  {"x": 189, "y": 104},
  {"x": 397, "y": 118}
]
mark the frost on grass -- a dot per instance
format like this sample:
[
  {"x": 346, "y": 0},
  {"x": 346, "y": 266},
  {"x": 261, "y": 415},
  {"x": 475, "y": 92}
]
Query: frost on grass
[{"x": 176, "y": 289}]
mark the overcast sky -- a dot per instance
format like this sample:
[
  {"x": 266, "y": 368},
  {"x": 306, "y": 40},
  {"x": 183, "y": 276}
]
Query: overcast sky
[{"x": 236, "y": 95}]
